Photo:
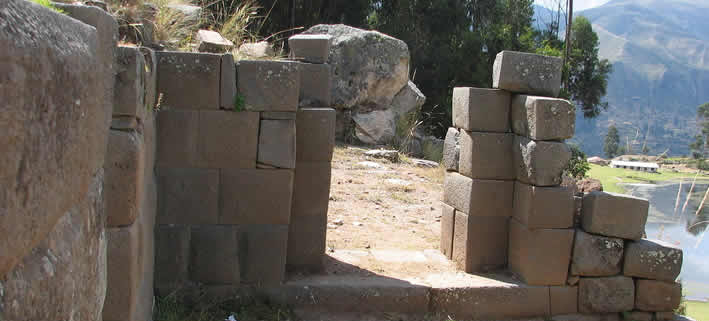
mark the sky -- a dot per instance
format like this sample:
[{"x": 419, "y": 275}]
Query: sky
[{"x": 578, "y": 4}]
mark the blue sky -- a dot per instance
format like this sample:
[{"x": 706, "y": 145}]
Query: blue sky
[{"x": 578, "y": 4}]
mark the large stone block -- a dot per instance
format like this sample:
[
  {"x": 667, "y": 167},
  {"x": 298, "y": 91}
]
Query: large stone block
[
  {"x": 606, "y": 294},
  {"x": 311, "y": 189},
  {"x": 540, "y": 163},
  {"x": 188, "y": 196},
  {"x": 172, "y": 255},
  {"x": 447, "y": 230},
  {"x": 564, "y": 300},
  {"x": 486, "y": 155},
  {"x": 652, "y": 259},
  {"x": 478, "y": 197},
  {"x": 494, "y": 301},
  {"x": 178, "y": 133},
  {"x": 657, "y": 296},
  {"x": 130, "y": 83},
  {"x": 256, "y": 196},
  {"x": 227, "y": 91},
  {"x": 479, "y": 242},
  {"x": 124, "y": 274},
  {"x": 481, "y": 109},
  {"x": 315, "y": 134},
  {"x": 614, "y": 215},
  {"x": 257, "y": 268},
  {"x": 310, "y": 48},
  {"x": 227, "y": 139},
  {"x": 596, "y": 255},
  {"x": 276, "y": 143},
  {"x": 214, "y": 255},
  {"x": 543, "y": 207},
  {"x": 527, "y": 73},
  {"x": 189, "y": 80},
  {"x": 125, "y": 176},
  {"x": 540, "y": 256},
  {"x": 451, "y": 150},
  {"x": 269, "y": 85},
  {"x": 543, "y": 118},
  {"x": 306, "y": 242},
  {"x": 315, "y": 86}
]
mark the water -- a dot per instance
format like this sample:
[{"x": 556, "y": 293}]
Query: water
[{"x": 680, "y": 228}]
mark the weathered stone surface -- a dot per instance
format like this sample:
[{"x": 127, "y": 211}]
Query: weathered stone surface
[
  {"x": 587, "y": 317},
  {"x": 481, "y": 109},
  {"x": 179, "y": 136},
  {"x": 227, "y": 92},
  {"x": 527, "y": 73},
  {"x": 125, "y": 177},
  {"x": 578, "y": 208},
  {"x": 596, "y": 255},
  {"x": 188, "y": 196},
  {"x": 479, "y": 242},
  {"x": 540, "y": 163},
  {"x": 310, "y": 48},
  {"x": 192, "y": 14},
  {"x": 540, "y": 256},
  {"x": 256, "y": 196},
  {"x": 614, "y": 215},
  {"x": 261, "y": 49},
  {"x": 491, "y": 302},
  {"x": 172, "y": 255},
  {"x": 486, "y": 155},
  {"x": 652, "y": 259},
  {"x": 269, "y": 85},
  {"x": 306, "y": 242},
  {"x": 311, "y": 189},
  {"x": 543, "y": 118},
  {"x": 124, "y": 123},
  {"x": 130, "y": 83},
  {"x": 543, "y": 207},
  {"x": 478, "y": 197},
  {"x": 356, "y": 78},
  {"x": 276, "y": 143},
  {"x": 227, "y": 139},
  {"x": 151, "y": 78},
  {"x": 638, "y": 316},
  {"x": 214, "y": 254},
  {"x": 606, "y": 295},
  {"x": 564, "y": 300},
  {"x": 447, "y": 230},
  {"x": 212, "y": 41},
  {"x": 451, "y": 150},
  {"x": 315, "y": 134},
  {"x": 124, "y": 272},
  {"x": 52, "y": 138},
  {"x": 189, "y": 80},
  {"x": 315, "y": 86},
  {"x": 257, "y": 268},
  {"x": 279, "y": 115},
  {"x": 665, "y": 316},
  {"x": 390, "y": 155},
  {"x": 657, "y": 296}
]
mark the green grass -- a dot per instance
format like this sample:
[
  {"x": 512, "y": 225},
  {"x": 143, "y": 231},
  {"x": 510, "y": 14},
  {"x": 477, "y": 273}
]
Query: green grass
[
  {"x": 611, "y": 177},
  {"x": 171, "y": 308},
  {"x": 698, "y": 310},
  {"x": 47, "y": 4}
]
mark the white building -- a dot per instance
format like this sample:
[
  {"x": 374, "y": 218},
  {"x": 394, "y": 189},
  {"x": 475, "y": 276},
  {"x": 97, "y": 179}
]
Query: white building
[{"x": 637, "y": 166}]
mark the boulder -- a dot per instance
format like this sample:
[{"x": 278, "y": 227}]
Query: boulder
[
  {"x": 212, "y": 41},
  {"x": 588, "y": 185},
  {"x": 260, "y": 49}
]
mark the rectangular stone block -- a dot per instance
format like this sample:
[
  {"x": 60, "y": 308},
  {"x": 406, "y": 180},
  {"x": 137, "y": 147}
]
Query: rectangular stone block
[
  {"x": 123, "y": 273},
  {"x": 269, "y": 85},
  {"x": 262, "y": 254},
  {"x": 315, "y": 86},
  {"x": 451, "y": 150},
  {"x": 614, "y": 215},
  {"x": 486, "y": 155},
  {"x": 540, "y": 163},
  {"x": 315, "y": 134},
  {"x": 306, "y": 243},
  {"x": 540, "y": 256},
  {"x": 657, "y": 296},
  {"x": 129, "y": 91},
  {"x": 481, "y": 109},
  {"x": 564, "y": 300},
  {"x": 479, "y": 242},
  {"x": 278, "y": 115},
  {"x": 214, "y": 255},
  {"x": 256, "y": 196},
  {"x": 527, "y": 73},
  {"x": 606, "y": 294},
  {"x": 188, "y": 196},
  {"x": 543, "y": 207},
  {"x": 596, "y": 255},
  {"x": 478, "y": 197},
  {"x": 310, "y": 48},
  {"x": 447, "y": 230},
  {"x": 151, "y": 78},
  {"x": 276, "y": 143},
  {"x": 178, "y": 133},
  {"x": 543, "y": 118},
  {"x": 189, "y": 80},
  {"x": 227, "y": 91},
  {"x": 172, "y": 255},
  {"x": 652, "y": 259},
  {"x": 495, "y": 301},
  {"x": 227, "y": 139},
  {"x": 124, "y": 177},
  {"x": 311, "y": 189}
]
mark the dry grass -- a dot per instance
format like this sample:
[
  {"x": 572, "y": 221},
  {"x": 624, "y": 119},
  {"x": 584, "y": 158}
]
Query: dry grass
[{"x": 171, "y": 27}]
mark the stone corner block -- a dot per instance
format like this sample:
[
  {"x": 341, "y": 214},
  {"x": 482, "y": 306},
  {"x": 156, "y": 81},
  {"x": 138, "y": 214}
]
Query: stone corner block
[
  {"x": 188, "y": 80},
  {"x": 315, "y": 134},
  {"x": 447, "y": 230},
  {"x": 652, "y": 259},
  {"x": 256, "y": 196},
  {"x": 124, "y": 177},
  {"x": 277, "y": 143},
  {"x": 614, "y": 215},
  {"x": 657, "y": 296},
  {"x": 306, "y": 242},
  {"x": 527, "y": 73},
  {"x": 596, "y": 255},
  {"x": 479, "y": 242},
  {"x": 540, "y": 256},
  {"x": 606, "y": 294},
  {"x": 540, "y": 163},
  {"x": 227, "y": 85},
  {"x": 123, "y": 271},
  {"x": 311, "y": 189},
  {"x": 315, "y": 86},
  {"x": 543, "y": 207},
  {"x": 129, "y": 91},
  {"x": 543, "y": 118},
  {"x": 478, "y": 197},
  {"x": 310, "y": 48},
  {"x": 486, "y": 155},
  {"x": 481, "y": 109},
  {"x": 269, "y": 85}
]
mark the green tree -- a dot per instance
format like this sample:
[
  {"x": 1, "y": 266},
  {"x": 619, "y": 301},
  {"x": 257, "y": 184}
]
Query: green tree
[
  {"x": 697, "y": 147},
  {"x": 611, "y": 143},
  {"x": 578, "y": 164}
]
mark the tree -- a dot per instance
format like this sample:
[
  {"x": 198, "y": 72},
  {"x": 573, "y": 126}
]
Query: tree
[
  {"x": 697, "y": 147},
  {"x": 611, "y": 143},
  {"x": 578, "y": 164}
]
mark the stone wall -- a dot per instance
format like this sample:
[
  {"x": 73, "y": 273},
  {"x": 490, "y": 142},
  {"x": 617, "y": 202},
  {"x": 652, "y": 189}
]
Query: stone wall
[{"x": 504, "y": 207}]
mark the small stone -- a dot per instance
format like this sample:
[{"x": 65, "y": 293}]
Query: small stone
[
  {"x": 212, "y": 41},
  {"x": 369, "y": 164},
  {"x": 261, "y": 49},
  {"x": 391, "y": 155}
]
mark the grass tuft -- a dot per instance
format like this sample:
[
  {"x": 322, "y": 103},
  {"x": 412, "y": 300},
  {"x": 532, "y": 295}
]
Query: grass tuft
[
  {"x": 48, "y": 4},
  {"x": 174, "y": 308}
]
